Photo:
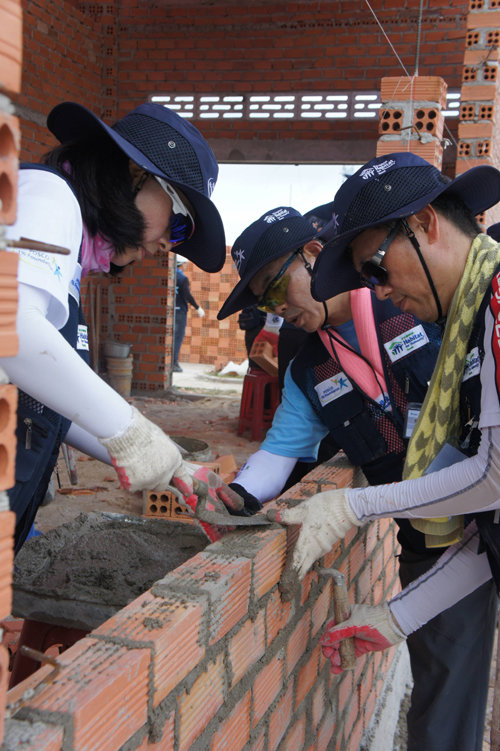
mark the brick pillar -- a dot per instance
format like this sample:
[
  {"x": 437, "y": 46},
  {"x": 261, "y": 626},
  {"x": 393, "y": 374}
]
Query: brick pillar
[
  {"x": 479, "y": 141},
  {"x": 10, "y": 83},
  {"x": 411, "y": 117}
]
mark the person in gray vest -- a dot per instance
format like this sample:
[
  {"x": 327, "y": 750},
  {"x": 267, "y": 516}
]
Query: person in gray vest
[
  {"x": 349, "y": 387},
  {"x": 410, "y": 233}
]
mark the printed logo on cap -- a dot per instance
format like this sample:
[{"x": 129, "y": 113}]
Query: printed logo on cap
[
  {"x": 210, "y": 185},
  {"x": 377, "y": 169},
  {"x": 275, "y": 216},
  {"x": 238, "y": 257}
]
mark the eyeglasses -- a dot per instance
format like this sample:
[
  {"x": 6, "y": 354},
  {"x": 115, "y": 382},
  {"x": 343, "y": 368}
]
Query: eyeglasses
[
  {"x": 373, "y": 274},
  {"x": 181, "y": 219},
  {"x": 275, "y": 293}
]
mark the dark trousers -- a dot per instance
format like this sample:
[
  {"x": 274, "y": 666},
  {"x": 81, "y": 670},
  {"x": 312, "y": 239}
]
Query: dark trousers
[
  {"x": 450, "y": 661},
  {"x": 180, "y": 330}
]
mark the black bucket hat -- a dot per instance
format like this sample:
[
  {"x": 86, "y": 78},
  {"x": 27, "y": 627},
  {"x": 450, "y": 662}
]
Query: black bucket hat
[
  {"x": 389, "y": 187},
  {"x": 320, "y": 216},
  {"x": 494, "y": 231},
  {"x": 274, "y": 234},
  {"x": 168, "y": 146}
]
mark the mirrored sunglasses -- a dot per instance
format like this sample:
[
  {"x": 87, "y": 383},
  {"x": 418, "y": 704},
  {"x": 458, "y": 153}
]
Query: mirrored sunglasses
[
  {"x": 182, "y": 224},
  {"x": 275, "y": 293}
]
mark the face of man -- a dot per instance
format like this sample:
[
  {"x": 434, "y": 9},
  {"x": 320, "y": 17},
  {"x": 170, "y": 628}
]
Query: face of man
[
  {"x": 299, "y": 306},
  {"x": 407, "y": 285}
]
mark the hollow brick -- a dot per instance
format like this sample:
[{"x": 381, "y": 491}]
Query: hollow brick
[
  {"x": 280, "y": 719},
  {"x": 478, "y": 92},
  {"x": 198, "y": 706},
  {"x": 266, "y": 687},
  {"x": 11, "y": 46},
  {"x": 102, "y": 691},
  {"x": 240, "y": 656},
  {"x": 169, "y": 627},
  {"x": 234, "y": 731}
]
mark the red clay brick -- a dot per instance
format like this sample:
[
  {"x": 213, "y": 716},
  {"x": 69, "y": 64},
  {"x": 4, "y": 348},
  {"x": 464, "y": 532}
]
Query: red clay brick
[
  {"x": 277, "y": 615},
  {"x": 103, "y": 689},
  {"x": 198, "y": 706},
  {"x": 266, "y": 687},
  {"x": 296, "y": 737},
  {"x": 307, "y": 676},
  {"x": 280, "y": 719},
  {"x": 298, "y": 641},
  {"x": 246, "y": 647},
  {"x": 171, "y": 628},
  {"x": 227, "y": 584},
  {"x": 234, "y": 731}
]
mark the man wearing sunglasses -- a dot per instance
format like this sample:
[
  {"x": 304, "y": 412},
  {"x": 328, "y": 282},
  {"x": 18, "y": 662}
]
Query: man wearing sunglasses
[
  {"x": 403, "y": 228},
  {"x": 349, "y": 387}
]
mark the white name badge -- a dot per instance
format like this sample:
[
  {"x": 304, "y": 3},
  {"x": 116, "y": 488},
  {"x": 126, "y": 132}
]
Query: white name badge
[
  {"x": 407, "y": 342},
  {"x": 472, "y": 365},
  {"x": 74, "y": 285},
  {"x": 82, "y": 337},
  {"x": 333, "y": 388}
]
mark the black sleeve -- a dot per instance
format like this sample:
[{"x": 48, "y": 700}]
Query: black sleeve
[{"x": 187, "y": 293}]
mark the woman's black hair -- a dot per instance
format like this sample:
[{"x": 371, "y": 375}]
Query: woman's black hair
[{"x": 99, "y": 174}]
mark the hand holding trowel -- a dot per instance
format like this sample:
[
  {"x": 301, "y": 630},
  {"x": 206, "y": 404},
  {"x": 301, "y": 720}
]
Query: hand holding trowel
[{"x": 214, "y": 504}]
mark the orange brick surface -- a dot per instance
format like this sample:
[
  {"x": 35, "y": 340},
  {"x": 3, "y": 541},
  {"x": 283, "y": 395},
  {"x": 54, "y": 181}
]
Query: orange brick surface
[
  {"x": 9, "y": 343},
  {"x": 11, "y": 50}
]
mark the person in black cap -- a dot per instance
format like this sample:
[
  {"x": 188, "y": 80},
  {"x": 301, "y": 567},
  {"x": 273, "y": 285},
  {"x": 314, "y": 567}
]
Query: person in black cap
[
  {"x": 402, "y": 228},
  {"x": 110, "y": 195},
  {"x": 346, "y": 389}
]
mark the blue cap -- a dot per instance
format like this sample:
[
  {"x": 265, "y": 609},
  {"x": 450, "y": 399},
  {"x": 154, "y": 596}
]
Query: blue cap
[
  {"x": 164, "y": 144},
  {"x": 274, "y": 234},
  {"x": 389, "y": 187}
]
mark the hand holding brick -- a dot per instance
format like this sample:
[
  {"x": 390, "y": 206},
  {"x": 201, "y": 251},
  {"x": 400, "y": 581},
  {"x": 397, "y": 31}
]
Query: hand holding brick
[
  {"x": 324, "y": 518},
  {"x": 372, "y": 628},
  {"x": 144, "y": 456}
]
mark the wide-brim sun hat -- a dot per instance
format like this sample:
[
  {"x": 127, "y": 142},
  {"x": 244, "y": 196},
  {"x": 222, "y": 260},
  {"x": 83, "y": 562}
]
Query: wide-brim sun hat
[
  {"x": 494, "y": 231},
  {"x": 168, "y": 146},
  {"x": 389, "y": 187},
  {"x": 274, "y": 234}
]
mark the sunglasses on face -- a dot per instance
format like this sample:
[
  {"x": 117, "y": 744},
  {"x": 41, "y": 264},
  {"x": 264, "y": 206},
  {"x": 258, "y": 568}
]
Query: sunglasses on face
[
  {"x": 181, "y": 219},
  {"x": 275, "y": 293},
  {"x": 373, "y": 274}
]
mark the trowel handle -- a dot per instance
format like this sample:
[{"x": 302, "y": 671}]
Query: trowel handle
[{"x": 342, "y": 611}]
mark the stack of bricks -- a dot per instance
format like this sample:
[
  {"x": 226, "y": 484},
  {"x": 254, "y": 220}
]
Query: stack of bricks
[
  {"x": 208, "y": 340},
  {"x": 211, "y": 657},
  {"x": 479, "y": 142},
  {"x": 10, "y": 83},
  {"x": 411, "y": 117}
]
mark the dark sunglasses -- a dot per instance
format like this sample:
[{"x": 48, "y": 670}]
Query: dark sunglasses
[
  {"x": 181, "y": 228},
  {"x": 373, "y": 274}
]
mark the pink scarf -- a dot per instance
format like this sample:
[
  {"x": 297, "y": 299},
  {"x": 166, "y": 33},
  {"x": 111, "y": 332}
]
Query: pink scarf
[
  {"x": 370, "y": 379},
  {"x": 96, "y": 253}
]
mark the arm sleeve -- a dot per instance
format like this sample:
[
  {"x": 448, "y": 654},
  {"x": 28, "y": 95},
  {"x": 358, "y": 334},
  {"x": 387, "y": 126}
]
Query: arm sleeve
[
  {"x": 49, "y": 369},
  {"x": 458, "y": 572},
  {"x": 86, "y": 443},
  {"x": 264, "y": 474},
  {"x": 49, "y": 212},
  {"x": 469, "y": 486}
]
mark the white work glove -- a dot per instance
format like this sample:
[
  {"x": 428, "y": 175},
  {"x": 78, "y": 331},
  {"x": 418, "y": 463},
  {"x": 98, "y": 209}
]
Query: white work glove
[
  {"x": 372, "y": 627},
  {"x": 200, "y": 311},
  {"x": 144, "y": 456},
  {"x": 325, "y": 518}
]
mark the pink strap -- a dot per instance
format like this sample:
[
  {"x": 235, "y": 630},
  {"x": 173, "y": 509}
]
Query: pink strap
[{"x": 353, "y": 365}]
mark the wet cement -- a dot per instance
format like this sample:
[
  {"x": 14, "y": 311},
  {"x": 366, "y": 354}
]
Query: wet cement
[{"x": 79, "y": 574}]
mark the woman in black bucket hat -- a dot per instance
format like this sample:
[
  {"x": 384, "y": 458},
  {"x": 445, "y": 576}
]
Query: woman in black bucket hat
[{"x": 110, "y": 195}]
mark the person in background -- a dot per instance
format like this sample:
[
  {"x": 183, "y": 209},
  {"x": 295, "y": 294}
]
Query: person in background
[
  {"x": 410, "y": 233},
  {"x": 183, "y": 296},
  {"x": 111, "y": 195}
]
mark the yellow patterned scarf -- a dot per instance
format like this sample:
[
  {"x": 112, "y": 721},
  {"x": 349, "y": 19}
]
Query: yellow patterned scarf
[{"x": 439, "y": 419}]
